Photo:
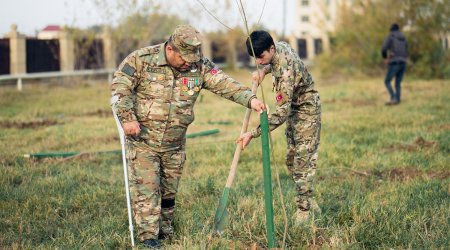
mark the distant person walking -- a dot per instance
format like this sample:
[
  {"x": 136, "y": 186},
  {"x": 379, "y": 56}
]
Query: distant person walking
[
  {"x": 395, "y": 53},
  {"x": 154, "y": 92}
]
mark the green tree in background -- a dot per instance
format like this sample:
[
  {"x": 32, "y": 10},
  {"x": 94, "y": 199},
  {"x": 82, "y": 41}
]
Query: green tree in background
[
  {"x": 364, "y": 24},
  {"x": 143, "y": 29}
]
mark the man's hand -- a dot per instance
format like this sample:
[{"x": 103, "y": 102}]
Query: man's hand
[
  {"x": 245, "y": 139},
  {"x": 131, "y": 128},
  {"x": 258, "y": 75},
  {"x": 257, "y": 105}
]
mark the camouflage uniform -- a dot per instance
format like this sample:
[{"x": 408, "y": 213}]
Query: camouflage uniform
[
  {"x": 148, "y": 90},
  {"x": 297, "y": 103}
]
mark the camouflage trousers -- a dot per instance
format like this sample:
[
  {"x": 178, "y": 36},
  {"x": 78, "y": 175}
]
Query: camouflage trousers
[
  {"x": 303, "y": 138},
  {"x": 154, "y": 179}
]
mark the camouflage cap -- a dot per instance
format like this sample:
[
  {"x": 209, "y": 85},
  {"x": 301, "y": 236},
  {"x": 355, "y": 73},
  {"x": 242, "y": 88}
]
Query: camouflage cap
[{"x": 188, "y": 41}]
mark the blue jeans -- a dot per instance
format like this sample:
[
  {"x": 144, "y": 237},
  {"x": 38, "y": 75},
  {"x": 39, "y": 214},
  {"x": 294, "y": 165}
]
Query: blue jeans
[{"x": 395, "y": 69}]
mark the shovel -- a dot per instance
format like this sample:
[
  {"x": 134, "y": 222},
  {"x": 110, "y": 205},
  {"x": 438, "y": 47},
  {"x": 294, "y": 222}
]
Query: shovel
[{"x": 221, "y": 217}]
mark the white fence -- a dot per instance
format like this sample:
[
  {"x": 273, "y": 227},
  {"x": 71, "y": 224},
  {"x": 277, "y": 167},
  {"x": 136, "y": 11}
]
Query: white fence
[{"x": 20, "y": 77}]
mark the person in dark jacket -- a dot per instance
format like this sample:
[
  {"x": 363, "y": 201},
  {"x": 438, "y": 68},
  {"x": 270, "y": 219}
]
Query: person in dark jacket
[{"x": 395, "y": 53}]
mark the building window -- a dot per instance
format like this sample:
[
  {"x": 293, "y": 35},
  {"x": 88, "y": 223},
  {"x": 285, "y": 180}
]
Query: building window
[
  {"x": 305, "y": 2},
  {"x": 318, "y": 46},
  {"x": 305, "y": 19},
  {"x": 301, "y": 46}
]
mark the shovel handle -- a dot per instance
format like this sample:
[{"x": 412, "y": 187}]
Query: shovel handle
[{"x": 237, "y": 152}]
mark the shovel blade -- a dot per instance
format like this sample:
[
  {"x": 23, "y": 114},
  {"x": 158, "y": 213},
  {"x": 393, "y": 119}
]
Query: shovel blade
[{"x": 221, "y": 217}]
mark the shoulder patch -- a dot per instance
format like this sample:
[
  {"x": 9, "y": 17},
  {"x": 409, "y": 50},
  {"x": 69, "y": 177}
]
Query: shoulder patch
[
  {"x": 280, "y": 98},
  {"x": 127, "y": 69},
  {"x": 214, "y": 71}
]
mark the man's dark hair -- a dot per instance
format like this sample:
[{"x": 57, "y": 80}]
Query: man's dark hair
[
  {"x": 395, "y": 27},
  {"x": 170, "y": 42},
  {"x": 261, "y": 41}
]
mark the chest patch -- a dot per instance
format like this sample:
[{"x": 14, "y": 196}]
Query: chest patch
[{"x": 155, "y": 70}]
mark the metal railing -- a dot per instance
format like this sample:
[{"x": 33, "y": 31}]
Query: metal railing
[{"x": 20, "y": 77}]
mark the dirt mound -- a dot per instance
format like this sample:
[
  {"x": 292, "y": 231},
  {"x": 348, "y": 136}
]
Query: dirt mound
[
  {"x": 28, "y": 124},
  {"x": 100, "y": 113},
  {"x": 419, "y": 143}
]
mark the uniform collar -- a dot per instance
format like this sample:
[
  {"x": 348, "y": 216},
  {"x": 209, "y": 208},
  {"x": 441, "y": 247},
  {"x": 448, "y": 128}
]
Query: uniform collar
[
  {"x": 162, "y": 61},
  {"x": 275, "y": 58}
]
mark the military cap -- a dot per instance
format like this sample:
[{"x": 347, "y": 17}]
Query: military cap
[{"x": 187, "y": 40}]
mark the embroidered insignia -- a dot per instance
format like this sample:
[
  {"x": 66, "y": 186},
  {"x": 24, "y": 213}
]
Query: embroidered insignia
[
  {"x": 214, "y": 71},
  {"x": 155, "y": 70},
  {"x": 281, "y": 98}
]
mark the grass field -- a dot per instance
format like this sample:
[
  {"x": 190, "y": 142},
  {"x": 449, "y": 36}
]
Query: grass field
[{"x": 383, "y": 178}]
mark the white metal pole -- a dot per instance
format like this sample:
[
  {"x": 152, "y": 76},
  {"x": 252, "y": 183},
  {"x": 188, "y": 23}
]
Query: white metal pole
[
  {"x": 19, "y": 84},
  {"x": 125, "y": 173}
]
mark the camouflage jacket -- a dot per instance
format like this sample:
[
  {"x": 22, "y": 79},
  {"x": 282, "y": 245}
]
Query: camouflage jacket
[
  {"x": 294, "y": 86},
  {"x": 147, "y": 89}
]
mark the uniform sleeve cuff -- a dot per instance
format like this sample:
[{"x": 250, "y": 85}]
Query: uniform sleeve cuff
[
  {"x": 128, "y": 118},
  {"x": 256, "y": 132},
  {"x": 249, "y": 104}
]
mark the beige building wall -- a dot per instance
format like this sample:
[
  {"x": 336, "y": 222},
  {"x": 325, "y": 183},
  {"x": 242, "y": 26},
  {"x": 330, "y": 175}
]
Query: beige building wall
[
  {"x": 109, "y": 49},
  {"x": 206, "y": 47},
  {"x": 48, "y": 35},
  {"x": 66, "y": 52},
  {"x": 18, "y": 55},
  {"x": 315, "y": 21}
]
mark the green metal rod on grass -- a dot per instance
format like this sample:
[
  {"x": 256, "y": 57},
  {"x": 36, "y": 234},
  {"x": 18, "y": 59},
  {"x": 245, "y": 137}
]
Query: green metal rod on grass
[
  {"x": 43, "y": 155},
  {"x": 203, "y": 133},
  {"x": 268, "y": 204}
]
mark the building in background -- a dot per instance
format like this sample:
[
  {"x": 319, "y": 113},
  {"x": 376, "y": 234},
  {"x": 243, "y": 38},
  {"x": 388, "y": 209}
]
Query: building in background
[
  {"x": 49, "y": 32},
  {"x": 314, "y": 21}
]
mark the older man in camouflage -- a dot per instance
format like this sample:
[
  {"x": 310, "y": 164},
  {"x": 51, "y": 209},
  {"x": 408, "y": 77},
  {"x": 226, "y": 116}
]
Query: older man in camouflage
[
  {"x": 297, "y": 103},
  {"x": 154, "y": 91}
]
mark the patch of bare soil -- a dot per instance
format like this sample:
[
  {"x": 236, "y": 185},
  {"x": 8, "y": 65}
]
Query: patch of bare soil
[
  {"x": 100, "y": 113},
  {"x": 353, "y": 102},
  {"x": 395, "y": 174},
  {"x": 419, "y": 143},
  {"x": 28, "y": 124},
  {"x": 440, "y": 127},
  {"x": 409, "y": 173},
  {"x": 401, "y": 174}
]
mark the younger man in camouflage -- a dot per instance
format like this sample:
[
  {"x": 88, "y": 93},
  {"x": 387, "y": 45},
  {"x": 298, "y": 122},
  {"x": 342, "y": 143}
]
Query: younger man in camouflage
[
  {"x": 154, "y": 92},
  {"x": 297, "y": 103}
]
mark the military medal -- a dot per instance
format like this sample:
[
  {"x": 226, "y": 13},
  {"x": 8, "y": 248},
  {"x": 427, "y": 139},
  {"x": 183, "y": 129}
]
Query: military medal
[
  {"x": 160, "y": 77},
  {"x": 196, "y": 88},
  {"x": 191, "y": 92},
  {"x": 184, "y": 88}
]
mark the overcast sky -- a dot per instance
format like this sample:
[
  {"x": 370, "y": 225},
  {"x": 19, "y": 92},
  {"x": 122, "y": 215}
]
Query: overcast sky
[{"x": 33, "y": 15}]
